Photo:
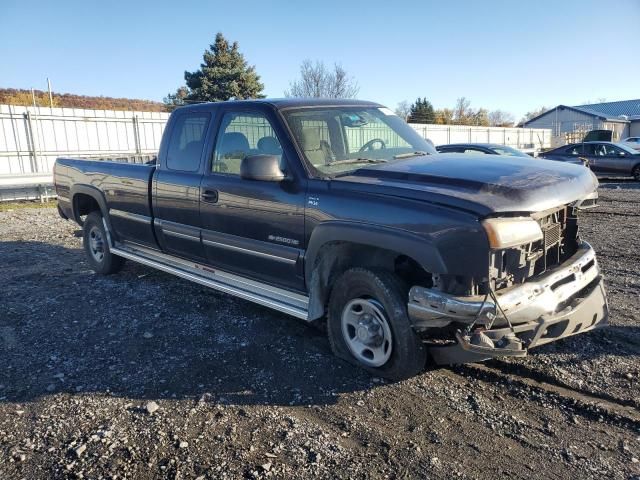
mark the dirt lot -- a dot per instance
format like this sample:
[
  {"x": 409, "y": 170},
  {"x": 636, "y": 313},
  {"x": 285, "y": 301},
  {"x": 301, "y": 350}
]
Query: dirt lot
[{"x": 243, "y": 392}]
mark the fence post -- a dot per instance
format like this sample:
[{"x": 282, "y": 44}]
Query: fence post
[
  {"x": 136, "y": 134},
  {"x": 31, "y": 141}
]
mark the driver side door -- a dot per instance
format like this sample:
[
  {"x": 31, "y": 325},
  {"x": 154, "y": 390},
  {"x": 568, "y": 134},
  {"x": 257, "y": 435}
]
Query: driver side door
[{"x": 251, "y": 227}]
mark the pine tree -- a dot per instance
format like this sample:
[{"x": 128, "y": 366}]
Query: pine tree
[
  {"x": 422, "y": 112},
  {"x": 223, "y": 75}
]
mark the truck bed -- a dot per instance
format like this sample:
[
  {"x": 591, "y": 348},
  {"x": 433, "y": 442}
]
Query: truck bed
[{"x": 124, "y": 187}]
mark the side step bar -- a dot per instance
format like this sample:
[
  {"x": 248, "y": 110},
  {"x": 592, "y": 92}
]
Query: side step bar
[{"x": 261, "y": 293}]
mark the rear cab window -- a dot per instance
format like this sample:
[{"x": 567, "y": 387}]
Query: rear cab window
[{"x": 187, "y": 141}]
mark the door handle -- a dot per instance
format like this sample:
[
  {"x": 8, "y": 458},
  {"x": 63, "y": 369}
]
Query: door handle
[{"x": 210, "y": 196}]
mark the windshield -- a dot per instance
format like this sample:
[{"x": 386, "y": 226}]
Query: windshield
[
  {"x": 335, "y": 140},
  {"x": 504, "y": 150}
]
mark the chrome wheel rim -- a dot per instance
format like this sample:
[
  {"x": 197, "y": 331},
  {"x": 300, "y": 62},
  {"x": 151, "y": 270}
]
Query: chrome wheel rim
[
  {"x": 366, "y": 331},
  {"x": 96, "y": 244}
]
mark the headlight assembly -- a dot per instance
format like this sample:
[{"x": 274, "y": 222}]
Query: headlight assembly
[{"x": 511, "y": 232}]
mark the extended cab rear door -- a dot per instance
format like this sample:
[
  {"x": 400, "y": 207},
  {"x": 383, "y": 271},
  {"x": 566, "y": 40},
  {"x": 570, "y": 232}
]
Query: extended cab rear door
[{"x": 176, "y": 199}]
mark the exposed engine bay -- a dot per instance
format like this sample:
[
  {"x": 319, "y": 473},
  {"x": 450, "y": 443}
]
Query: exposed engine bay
[{"x": 560, "y": 241}]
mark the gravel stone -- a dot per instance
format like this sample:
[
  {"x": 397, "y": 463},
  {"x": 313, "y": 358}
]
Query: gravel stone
[
  {"x": 283, "y": 399},
  {"x": 80, "y": 450},
  {"x": 151, "y": 407}
]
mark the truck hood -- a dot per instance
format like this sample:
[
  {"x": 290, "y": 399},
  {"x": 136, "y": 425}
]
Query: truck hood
[{"x": 483, "y": 184}]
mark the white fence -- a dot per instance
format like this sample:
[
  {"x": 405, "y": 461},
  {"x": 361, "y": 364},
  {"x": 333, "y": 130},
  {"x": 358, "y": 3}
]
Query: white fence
[
  {"x": 31, "y": 138},
  {"x": 531, "y": 140}
]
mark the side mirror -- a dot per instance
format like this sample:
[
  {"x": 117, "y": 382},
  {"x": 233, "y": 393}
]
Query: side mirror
[
  {"x": 622, "y": 154},
  {"x": 262, "y": 167}
]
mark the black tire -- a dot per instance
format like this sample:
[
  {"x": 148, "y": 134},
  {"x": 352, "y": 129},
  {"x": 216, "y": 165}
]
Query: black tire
[
  {"x": 384, "y": 290},
  {"x": 96, "y": 246},
  {"x": 636, "y": 173}
]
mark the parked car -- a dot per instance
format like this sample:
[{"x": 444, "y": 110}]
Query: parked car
[
  {"x": 338, "y": 210},
  {"x": 488, "y": 148},
  {"x": 605, "y": 158},
  {"x": 633, "y": 142},
  {"x": 495, "y": 149}
]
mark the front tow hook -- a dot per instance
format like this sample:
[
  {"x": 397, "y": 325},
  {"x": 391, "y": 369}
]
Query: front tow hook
[{"x": 465, "y": 343}]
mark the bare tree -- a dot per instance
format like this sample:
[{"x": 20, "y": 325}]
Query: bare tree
[
  {"x": 500, "y": 118},
  {"x": 462, "y": 113},
  {"x": 403, "y": 109},
  {"x": 444, "y": 116},
  {"x": 532, "y": 114},
  {"x": 318, "y": 81}
]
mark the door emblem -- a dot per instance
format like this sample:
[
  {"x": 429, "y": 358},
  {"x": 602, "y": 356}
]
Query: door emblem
[{"x": 288, "y": 241}]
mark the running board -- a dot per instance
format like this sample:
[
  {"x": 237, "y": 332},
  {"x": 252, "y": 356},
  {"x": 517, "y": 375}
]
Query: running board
[{"x": 261, "y": 293}]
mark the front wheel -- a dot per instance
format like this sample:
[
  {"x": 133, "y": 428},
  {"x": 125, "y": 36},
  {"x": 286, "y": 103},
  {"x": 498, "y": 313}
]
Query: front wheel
[
  {"x": 368, "y": 324},
  {"x": 96, "y": 246},
  {"x": 636, "y": 173}
]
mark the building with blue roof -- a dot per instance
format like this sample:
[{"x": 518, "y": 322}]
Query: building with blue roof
[{"x": 570, "y": 123}]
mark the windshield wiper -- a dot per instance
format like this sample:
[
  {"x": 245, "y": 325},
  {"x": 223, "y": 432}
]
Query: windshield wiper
[
  {"x": 357, "y": 160},
  {"x": 411, "y": 154}
]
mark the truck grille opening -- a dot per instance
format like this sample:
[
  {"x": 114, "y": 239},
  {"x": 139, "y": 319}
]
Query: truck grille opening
[{"x": 560, "y": 241}]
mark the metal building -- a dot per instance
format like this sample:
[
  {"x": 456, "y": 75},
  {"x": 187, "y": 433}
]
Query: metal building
[{"x": 570, "y": 123}]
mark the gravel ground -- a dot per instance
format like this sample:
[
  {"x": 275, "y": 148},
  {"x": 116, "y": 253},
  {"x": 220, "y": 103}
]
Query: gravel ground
[{"x": 143, "y": 375}]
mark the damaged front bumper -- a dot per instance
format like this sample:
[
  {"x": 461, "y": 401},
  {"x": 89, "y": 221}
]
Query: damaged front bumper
[{"x": 564, "y": 301}]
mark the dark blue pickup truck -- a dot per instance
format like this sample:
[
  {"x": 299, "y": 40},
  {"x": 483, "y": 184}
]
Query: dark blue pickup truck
[{"x": 338, "y": 211}]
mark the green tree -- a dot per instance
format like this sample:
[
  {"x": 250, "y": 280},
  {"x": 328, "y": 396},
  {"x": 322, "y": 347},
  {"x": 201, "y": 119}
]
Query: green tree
[
  {"x": 422, "y": 112},
  {"x": 174, "y": 100},
  {"x": 223, "y": 75}
]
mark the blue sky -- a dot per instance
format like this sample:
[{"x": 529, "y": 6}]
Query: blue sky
[{"x": 509, "y": 55}]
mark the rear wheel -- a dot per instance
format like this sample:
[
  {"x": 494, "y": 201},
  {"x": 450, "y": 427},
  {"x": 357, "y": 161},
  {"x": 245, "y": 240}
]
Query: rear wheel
[
  {"x": 636, "y": 173},
  {"x": 96, "y": 246},
  {"x": 368, "y": 324}
]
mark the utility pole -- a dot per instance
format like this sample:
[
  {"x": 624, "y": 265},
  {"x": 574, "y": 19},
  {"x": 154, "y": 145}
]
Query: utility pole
[
  {"x": 33, "y": 97},
  {"x": 50, "y": 95}
]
